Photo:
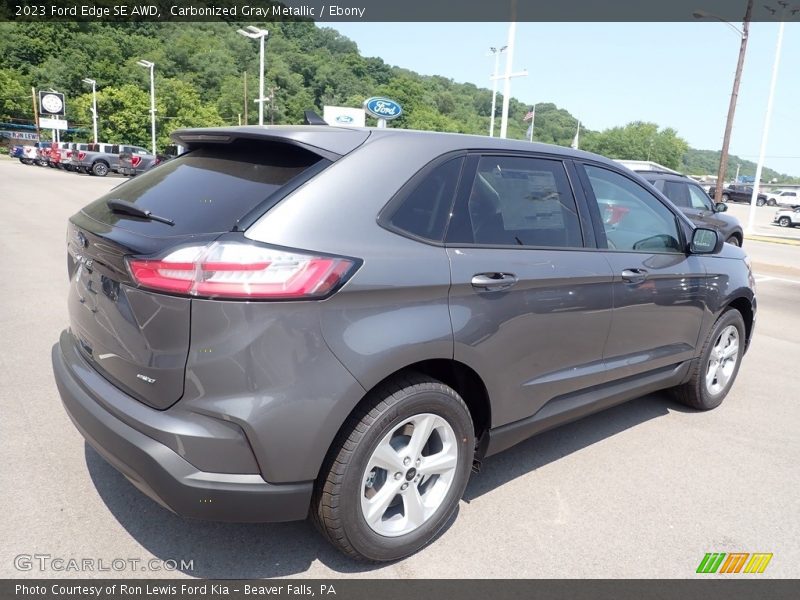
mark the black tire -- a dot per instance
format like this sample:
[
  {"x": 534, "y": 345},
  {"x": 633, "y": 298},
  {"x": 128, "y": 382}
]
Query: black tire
[
  {"x": 760, "y": 202},
  {"x": 785, "y": 222},
  {"x": 772, "y": 202},
  {"x": 725, "y": 197},
  {"x": 336, "y": 506},
  {"x": 695, "y": 392},
  {"x": 734, "y": 240},
  {"x": 100, "y": 169}
]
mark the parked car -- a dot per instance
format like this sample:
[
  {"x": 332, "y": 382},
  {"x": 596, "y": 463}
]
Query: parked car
[
  {"x": 688, "y": 196},
  {"x": 134, "y": 160},
  {"x": 30, "y": 154},
  {"x": 783, "y": 198},
  {"x": 71, "y": 160},
  {"x": 738, "y": 193},
  {"x": 42, "y": 154},
  {"x": 16, "y": 152},
  {"x": 341, "y": 322},
  {"x": 786, "y": 217},
  {"x": 97, "y": 159},
  {"x": 59, "y": 154}
]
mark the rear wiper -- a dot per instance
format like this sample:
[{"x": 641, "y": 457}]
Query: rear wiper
[{"x": 122, "y": 206}]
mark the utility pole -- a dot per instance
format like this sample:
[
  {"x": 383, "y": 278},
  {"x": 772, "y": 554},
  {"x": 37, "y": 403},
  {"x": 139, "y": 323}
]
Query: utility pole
[
  {"x": 246, "y": 122},
  {"x": 35, "y": 110},
  {"x": 726, "y": 140}
]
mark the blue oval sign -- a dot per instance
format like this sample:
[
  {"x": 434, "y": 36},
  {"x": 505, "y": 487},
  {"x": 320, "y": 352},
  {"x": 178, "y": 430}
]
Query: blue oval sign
[
  {"x": 344, "y": 119},
  {"x": 382, "y": 108}
]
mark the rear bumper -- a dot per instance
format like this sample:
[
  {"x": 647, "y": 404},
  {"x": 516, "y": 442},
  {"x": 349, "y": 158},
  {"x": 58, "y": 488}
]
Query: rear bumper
[
  {"x": 126, "y": 171},
  {"x": 166, "y": 477}
]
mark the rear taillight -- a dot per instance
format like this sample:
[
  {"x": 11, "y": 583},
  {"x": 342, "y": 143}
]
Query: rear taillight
[
  {"x": 242, "y": 271},
  {"x": 81, "y": 155}
]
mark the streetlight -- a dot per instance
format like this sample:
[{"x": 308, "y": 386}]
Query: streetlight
[
  {"x": 768, "y": 116},
  {"x": 256, "y": 33},
  {"x": 93, "y": 83},
  {"x": 149, "y": 65},
  {"x": 726, "y": 140},
  {"x": 496, "y": 52}
]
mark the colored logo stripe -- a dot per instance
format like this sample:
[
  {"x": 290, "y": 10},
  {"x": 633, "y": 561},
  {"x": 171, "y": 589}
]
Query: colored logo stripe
[
  {"x": 758, "y": 563},
  {"x": 734, "y": 562},
  {"x": 713, "y": 562}
]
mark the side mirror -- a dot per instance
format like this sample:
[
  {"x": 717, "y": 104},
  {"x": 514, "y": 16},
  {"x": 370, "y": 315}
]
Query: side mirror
[
  {"x": 720, "y": 207},
  {"x": 706, "y": 241}
]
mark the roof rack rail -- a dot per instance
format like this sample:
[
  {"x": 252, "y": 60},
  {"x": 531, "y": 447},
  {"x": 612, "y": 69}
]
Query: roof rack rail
[{"x": 312, "y": 118}]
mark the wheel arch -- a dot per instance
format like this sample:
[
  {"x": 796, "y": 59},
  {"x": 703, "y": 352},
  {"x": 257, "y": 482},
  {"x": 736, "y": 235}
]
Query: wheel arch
[{"x": 455, "y": 374}]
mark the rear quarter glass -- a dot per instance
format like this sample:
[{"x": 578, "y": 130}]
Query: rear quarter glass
[{"x": 206, "y": 190}]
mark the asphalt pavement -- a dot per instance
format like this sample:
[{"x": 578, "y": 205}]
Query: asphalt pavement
[{"x": 641, "y": 490}]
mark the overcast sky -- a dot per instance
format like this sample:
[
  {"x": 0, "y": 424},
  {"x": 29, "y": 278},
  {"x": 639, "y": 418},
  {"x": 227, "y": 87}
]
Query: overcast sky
[{"x": 606, "y": 74}]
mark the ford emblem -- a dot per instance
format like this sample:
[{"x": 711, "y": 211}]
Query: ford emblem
[
  {"x": 344, "y": 119},
  {"x": 382, "y": 108}
]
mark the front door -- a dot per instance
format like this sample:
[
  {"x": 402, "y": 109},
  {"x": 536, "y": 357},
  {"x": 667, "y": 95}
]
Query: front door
[
  {"x": 530, "y": 304},
  {"x": 659, "y": 298}
]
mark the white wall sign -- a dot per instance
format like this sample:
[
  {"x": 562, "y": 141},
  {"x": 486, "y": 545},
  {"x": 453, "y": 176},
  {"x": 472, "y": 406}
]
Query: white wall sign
[
  {"x": 46, "y": 123},
  {"x": 344, "y": 116}
]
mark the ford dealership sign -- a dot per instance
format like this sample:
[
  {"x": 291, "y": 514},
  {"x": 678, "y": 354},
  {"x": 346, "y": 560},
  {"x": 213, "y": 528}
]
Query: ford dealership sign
[{"x": 382, "y": 108}]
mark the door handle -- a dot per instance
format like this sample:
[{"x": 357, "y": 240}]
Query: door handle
[
  {"x": 634, "y": 275},
  {"x": 493, "y": 282}
]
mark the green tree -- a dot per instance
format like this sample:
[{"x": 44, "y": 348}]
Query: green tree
[
  {"x": 15, "y": 96},
  {"x": 638, "y": 141}
]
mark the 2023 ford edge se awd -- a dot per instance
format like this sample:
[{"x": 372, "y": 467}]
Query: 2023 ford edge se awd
[{"x": 288, "y": 321}]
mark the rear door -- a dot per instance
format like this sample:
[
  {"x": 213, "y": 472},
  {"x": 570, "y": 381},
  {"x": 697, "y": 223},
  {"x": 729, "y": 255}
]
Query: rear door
[
  {"x": 659, "y": 290},
  {"x": 138, "y": 339},
  {"x": 530, "y": 301}
]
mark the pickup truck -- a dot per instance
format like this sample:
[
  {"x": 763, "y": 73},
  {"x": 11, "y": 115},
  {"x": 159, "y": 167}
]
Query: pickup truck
[
  {"x": 98, "y": 159},
  {"x": 738, "y": 193},
  {"x": 134, "y": 160}
]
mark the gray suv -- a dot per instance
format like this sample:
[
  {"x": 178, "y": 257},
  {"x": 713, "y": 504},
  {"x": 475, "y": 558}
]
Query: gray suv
[
  {"x": 687, "y": 195},
  {"x": 342, "y": 323}
]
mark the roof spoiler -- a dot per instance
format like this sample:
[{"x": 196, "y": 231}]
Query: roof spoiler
[{"x": 312, "y": 118}]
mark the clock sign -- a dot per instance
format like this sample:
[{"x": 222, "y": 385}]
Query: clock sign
[{"x": 51, "y": 103}]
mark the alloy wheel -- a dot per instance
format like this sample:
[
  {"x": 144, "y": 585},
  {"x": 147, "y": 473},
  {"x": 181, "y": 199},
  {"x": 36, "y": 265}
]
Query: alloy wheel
[
  {"x": 722, "y": 360},
  {"x": 408, "y": 476}
]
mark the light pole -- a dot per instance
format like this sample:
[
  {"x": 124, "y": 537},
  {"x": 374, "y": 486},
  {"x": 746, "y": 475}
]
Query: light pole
[
  {"x": 93, "y": 83},
  {"x": 765, "y": 133},
  {"x": 254, "y": 33},
  {"x": 150, "y": 65},
  {"x": 496, "y": 52},
  {"x": 726, "y": 140}
]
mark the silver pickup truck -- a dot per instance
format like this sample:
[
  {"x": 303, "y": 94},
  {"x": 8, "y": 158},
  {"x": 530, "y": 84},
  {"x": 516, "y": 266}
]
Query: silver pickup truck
[
  {"x": 99, "y": 159},
  {"x": 134, "y": 160}
]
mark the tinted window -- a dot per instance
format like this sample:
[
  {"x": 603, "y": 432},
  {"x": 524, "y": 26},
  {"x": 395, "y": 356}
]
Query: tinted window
[
  {"x": 517, "y": 201},
  {"x": 633, "y": 218},
  {"x": 424, "y": 210},
  {"x": 678, "y": 192},
  {"x": 206, "y": 190}
]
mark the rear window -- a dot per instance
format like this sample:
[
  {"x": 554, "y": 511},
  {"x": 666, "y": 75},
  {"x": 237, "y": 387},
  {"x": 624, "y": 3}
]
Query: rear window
[{"x": 207, "y": 190}]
